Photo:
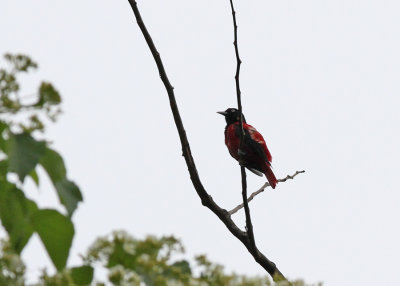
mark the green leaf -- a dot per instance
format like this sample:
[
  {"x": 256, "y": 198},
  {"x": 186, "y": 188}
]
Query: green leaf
[
  {"x": 82, "y": 275},
  {"x": 48, "y": 94},
  {"x": 69, "y": 195},
  {"x": 184, "y": 266},
  {"x": 53, "y": 163},
  {"x": 15, "y": 212},
  {"x": 34, "y": 177},
  {"x": 24, "y": 152},
  {"x": 3, "y": 170},
  {"x": 120, "y": 257},
  {"x": 56, "y": 232}
]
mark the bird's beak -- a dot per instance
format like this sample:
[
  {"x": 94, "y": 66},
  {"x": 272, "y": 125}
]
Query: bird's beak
[{"x": 222, "y": 113}]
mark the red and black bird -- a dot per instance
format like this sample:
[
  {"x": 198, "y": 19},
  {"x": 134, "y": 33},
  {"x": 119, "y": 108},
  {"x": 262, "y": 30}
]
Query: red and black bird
[{"x": 254, "y": 154}]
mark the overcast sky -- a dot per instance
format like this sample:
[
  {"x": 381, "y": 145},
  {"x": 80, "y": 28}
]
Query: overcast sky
[{"x": 320, "y": 81}]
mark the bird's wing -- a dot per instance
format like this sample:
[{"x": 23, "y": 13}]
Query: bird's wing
[{"x": 254, "y": 140}]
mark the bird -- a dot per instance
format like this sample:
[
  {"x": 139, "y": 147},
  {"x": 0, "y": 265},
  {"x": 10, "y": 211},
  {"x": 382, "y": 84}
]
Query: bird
[{"x": 253, "y": 154}]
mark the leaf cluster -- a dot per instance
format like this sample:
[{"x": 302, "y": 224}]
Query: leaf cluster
[
  {"x": 12, "y": 269},
  {"x": 156, "y": 261},
  {"x": 128, "y": 261},
  {"x": 21, "y": 155},
  {"x": 45, "y": 103}
]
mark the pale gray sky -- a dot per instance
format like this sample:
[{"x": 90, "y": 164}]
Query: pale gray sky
[{"x": 320, "y": 80}]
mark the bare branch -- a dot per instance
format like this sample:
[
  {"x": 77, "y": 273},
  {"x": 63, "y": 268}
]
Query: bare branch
[
  {"x": 249, "y": 225},
  {"x": 260, "y": 190},
  {"x": 206, "y": 199}
]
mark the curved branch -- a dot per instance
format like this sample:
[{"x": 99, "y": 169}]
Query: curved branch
[
  {"x": 206, "y": 199},
  {"x": 260, "y": 190}
]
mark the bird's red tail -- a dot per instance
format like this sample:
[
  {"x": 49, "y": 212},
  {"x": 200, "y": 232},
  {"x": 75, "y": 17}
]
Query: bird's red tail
[{"x": 270, "y": 175}]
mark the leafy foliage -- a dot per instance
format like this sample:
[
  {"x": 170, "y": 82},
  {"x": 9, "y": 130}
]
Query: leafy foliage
[
  {"x": 46, "y": 101},
  {"x": 12, "y": 269},
  {"x": 21, "y": 153},
  {"x": 75, "y": 276},
  {"x": 158, "y": 261},
  {"x": 129, "y": 261}
]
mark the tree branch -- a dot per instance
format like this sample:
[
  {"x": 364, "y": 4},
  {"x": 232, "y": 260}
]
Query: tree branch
[
  {"x": 206, "y": 199},
  {"x": 260, "y": 190},
  {"x": 249, "y": 225}
]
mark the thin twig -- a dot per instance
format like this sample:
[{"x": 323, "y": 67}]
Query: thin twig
[
  {"x": 237, "y": 75},
  {"x": 206, "y": 199},
  {"x": 260, "y": 190},
  {"x": 249, "y": 225}
]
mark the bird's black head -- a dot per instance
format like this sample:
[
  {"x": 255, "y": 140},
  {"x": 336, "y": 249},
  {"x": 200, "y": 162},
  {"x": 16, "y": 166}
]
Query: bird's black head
[{"x": 232, "y": 115}]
